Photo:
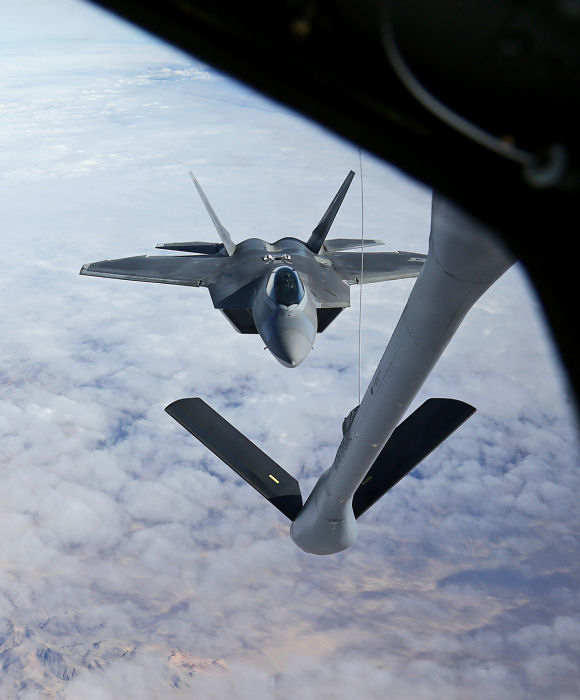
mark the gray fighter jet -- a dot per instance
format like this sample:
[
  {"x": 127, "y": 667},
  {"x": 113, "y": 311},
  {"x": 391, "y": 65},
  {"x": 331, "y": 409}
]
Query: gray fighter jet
[{"x": 286, "y": 291}]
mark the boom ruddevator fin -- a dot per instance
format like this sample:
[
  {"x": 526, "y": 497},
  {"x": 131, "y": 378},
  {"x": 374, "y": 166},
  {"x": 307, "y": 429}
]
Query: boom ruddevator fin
[
  {"x": 323, "y": 227},
  {"x": 415, "y": 438},
  {"x": 239, "y": 453}
]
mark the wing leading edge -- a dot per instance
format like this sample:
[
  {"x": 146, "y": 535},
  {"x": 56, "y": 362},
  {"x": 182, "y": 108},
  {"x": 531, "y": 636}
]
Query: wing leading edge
[{"x": 187, "y": 270}]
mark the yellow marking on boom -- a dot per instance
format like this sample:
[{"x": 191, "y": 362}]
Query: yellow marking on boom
[{"x": 273, "y": 478}]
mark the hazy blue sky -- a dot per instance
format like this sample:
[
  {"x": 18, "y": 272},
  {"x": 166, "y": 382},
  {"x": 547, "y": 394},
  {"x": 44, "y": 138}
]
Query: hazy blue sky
[{"x": 133, "y": 563}]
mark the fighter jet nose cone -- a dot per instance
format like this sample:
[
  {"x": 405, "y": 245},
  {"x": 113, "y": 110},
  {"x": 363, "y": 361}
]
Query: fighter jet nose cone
[
  {"x": 287, "y": 364},
  {"x": 288, "y": 335},
  {"x": 291, "y": 348},
  {"x": 286, "y": 360}
]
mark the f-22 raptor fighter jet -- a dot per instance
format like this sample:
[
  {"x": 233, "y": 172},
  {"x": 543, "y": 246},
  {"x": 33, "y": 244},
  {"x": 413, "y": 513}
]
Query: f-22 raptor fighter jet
[{"x": 286, "y": 291}]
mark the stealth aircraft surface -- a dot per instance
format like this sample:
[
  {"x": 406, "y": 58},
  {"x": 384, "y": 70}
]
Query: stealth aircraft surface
[{"x": 286, "y": 291}]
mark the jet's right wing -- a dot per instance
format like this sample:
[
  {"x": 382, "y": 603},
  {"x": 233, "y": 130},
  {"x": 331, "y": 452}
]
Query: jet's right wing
[{"x": 187, "y": 270}]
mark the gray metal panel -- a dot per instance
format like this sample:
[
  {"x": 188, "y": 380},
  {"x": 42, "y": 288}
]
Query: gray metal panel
[
  {"x": 378, "y": 267},
  {"x": 236, "y": 287},
  {"x": 335, "y": 244},
  {"x": 325, "y": 285},
  {"x": 187, "y": 270}
]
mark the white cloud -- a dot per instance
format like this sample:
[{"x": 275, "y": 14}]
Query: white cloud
[{"x": 120, "y": 530}]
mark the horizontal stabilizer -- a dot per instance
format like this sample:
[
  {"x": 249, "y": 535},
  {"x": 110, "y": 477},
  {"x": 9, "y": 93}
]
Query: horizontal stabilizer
[
  {"x": 323, "y": 227},
  {"x": 247, "y": 460},
  {"x": 195, "y": 247},
  {"x": 335, "y": 244},
  {"x": 415, "y": 438}
]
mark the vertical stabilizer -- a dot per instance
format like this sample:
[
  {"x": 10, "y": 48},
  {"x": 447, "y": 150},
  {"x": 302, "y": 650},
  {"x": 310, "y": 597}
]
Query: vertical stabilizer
[
  {"x": 223, "y": 233},
  {"x": 321, "y": 231}
]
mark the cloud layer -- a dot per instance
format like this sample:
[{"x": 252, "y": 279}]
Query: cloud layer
[{"x": 133, "y": 563}]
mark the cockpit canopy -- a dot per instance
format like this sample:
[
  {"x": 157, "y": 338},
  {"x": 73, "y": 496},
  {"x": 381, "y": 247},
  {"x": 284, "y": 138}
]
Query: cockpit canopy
[{"x": 284, "y": 287}]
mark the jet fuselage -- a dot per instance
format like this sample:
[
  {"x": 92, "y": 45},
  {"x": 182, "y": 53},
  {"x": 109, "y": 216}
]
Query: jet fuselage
[
  {"x": 283, "y": 302},
  {"x": 285, "y": 315}
]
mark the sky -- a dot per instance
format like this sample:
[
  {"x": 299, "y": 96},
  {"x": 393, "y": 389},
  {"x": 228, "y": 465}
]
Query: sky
[{"x": 132, "y": 562}]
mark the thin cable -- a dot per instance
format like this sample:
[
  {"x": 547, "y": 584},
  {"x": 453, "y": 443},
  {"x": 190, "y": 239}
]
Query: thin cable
[
  {"x": 361, "y": 279},
  {"x": 447, "y": 115}
]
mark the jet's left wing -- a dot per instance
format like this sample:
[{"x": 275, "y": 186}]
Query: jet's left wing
[
  {"x": 187, "y": 270},
  {"x": 377, "y": 267}
]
